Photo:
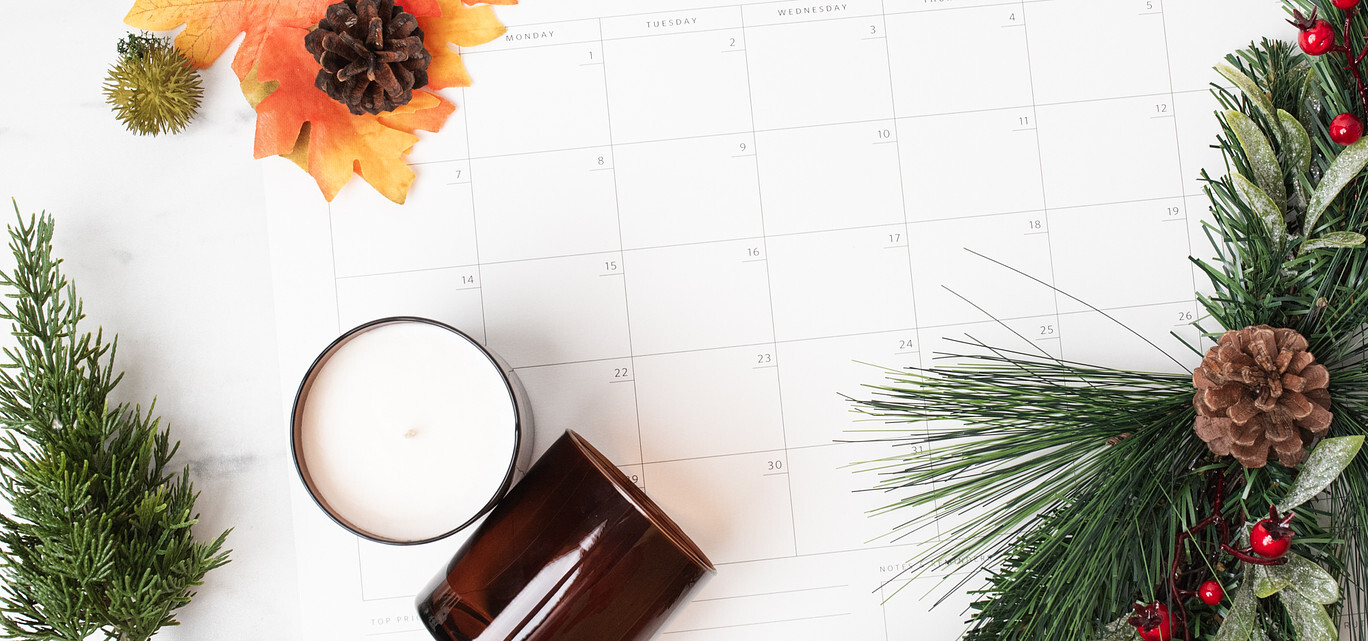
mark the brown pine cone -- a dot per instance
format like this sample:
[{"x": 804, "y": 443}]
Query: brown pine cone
[
  {"x": 372, "y": 55},
  {"x": 1260, "y": 394}
]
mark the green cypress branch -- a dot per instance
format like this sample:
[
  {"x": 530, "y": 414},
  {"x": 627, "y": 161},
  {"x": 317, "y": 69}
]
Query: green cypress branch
[{"x": 98, "y": 540}]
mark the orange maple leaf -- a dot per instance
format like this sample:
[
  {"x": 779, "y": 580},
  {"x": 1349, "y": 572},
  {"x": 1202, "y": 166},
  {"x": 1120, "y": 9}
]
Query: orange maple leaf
[
  {"x": 461, "y": 26},
  {"x": 277, "y": 75}
]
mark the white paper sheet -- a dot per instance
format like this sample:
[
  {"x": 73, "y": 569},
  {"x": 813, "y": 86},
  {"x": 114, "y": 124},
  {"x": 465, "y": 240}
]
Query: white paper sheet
[{"x": 689, "y": 225}]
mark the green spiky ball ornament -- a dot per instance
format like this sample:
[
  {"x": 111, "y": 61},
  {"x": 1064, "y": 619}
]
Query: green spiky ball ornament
[{"x": 153, "y": 89}]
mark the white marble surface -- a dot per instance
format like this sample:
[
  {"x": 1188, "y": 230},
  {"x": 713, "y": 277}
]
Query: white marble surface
[{"x": 165, "y": 239}]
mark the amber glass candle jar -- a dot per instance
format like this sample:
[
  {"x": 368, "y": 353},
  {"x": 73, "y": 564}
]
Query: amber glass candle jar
[{"x": 575, "y": 552}]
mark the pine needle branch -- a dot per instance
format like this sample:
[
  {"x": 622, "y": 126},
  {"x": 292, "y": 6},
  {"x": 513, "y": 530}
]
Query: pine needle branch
[{"x": 1071, "y": 483}]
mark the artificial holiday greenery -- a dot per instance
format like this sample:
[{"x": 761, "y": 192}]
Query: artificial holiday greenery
[
  {"x": 153, "y": 89},
  {"x": 98, "y": 537},
  {"x": 1101, "y": 512}
]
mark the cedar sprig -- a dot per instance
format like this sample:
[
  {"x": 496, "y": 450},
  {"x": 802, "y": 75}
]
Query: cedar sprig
[{"x": 98, "y": 539}]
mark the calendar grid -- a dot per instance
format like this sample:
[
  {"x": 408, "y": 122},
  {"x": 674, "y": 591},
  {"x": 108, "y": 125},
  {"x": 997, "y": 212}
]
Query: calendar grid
[
  {"x": 945, "y": 326},
  {"x": 868, "y": 121},
  {"x": 752, "y": 236},
  {"x": 1044, "y": 189},
  {"x": 906, "y": 225},
  {"x": 617, "y": 213},
  {"x": 475, "y": 229},
  {"x": 1177, "y": 140},
  {"x": 764, "y": 245},
  {"x": 882, "y": 12},
  {"x": 1157, "y": 199}
]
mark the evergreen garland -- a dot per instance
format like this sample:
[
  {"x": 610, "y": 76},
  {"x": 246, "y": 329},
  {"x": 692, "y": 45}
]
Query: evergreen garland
[
  {"x": 98, "y": 539},
  {"x": 1084, "y": 479}
]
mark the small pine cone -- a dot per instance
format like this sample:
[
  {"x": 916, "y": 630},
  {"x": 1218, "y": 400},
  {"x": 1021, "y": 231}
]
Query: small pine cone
[
  {"x": 1260, "y": 394},
  {"x": 372, "y": 55}
]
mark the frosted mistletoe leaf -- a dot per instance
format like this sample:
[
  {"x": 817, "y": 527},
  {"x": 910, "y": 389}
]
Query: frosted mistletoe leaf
[
  {"x": 1239, "y": 622},
  {"x": 1263, "y": 207},
  {"x": 1259, "y": 152},
  {"x": 1252, "y": 91},
  {"x": 1268, "y": 582},
  {"x": 1297, "y": 144},
  {"x": 1310, "y": 620},
  {"x": 1321, "y": 469},
  {"x": 1333, "y": 240},
  {"x": 1343, "y": 169},
  {"x": 1299, "y": 575},
  {"x": 1308, "y": 579},
  {"x": 1295, "y": 141}
]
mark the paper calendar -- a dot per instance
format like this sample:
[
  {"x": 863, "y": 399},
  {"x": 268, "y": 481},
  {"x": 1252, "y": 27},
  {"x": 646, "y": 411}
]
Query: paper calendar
[{"x": 692, "y": 226}]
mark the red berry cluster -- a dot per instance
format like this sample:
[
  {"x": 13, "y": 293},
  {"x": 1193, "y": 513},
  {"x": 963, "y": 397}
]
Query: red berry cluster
[
  {"x": 1268, "y": 544},
  {"x": 1317, "y": 37}
]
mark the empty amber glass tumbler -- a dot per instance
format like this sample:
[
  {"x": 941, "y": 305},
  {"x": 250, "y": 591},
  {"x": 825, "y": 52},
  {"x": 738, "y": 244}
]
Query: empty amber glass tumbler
[{"x": 575, "y": 552}]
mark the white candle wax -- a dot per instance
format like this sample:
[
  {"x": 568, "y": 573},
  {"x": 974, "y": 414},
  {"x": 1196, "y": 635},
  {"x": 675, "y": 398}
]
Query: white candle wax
[{"x": 407, "y": 431}]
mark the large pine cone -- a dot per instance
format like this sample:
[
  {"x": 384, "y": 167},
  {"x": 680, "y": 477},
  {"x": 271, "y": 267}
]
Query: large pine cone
[
  {"x": 372, "y": 55},
  {"x": 1260, "y": 394}
]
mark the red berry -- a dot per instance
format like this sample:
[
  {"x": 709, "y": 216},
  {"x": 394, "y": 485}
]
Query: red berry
[
  {"x": 1272, "y": 536},
  {"x": 1210, "y": 592},
  {"x": 1267, "y": 545},
  {"x": 1153, "y": 622},
  {"x": 1317, "y": 39},
  {"x": 1346, "y": 129},
  {"x": 1344, "y": 4}
]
